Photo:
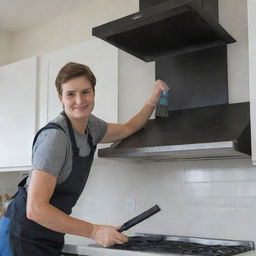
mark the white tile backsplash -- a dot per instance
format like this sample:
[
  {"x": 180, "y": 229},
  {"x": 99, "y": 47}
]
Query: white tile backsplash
[{"x": 206, "y": 198}]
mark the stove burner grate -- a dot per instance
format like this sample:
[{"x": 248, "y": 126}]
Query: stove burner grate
[{"x": 165, "y": 246}]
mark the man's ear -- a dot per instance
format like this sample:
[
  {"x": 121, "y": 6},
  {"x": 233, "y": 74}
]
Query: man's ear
[{"x": 60, "y": 98}]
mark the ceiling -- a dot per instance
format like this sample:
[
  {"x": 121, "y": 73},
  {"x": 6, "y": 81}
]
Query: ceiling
[{"x": 16, "y": 15}]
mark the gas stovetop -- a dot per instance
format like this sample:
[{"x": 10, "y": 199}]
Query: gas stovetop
[{"x": 185, "y": 245}]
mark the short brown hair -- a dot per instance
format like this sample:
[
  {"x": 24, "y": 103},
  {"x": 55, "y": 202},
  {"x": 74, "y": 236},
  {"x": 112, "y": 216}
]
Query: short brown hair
[{"x": 72, "y": 70}]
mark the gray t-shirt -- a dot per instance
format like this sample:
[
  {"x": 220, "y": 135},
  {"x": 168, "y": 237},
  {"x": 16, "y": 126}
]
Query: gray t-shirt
[{"x": 52, "y": 151}]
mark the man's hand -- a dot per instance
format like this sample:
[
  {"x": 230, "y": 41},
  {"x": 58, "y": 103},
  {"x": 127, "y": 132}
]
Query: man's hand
[
  {"x": 156, "y": 93},
  {"x": 108, "y": 235}
]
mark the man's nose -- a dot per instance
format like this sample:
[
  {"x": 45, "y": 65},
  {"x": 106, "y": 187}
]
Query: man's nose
[{"x": 79, "y": 98}]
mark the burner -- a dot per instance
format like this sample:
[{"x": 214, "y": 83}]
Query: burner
[{"x": 163, "y": 245}]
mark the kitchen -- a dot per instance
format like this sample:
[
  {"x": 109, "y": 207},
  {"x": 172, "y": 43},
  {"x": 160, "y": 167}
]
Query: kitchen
[{"x": 206, "y": 198}]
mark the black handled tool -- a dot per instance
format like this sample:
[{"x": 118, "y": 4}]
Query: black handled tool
[{"x": 139, "y": 218}]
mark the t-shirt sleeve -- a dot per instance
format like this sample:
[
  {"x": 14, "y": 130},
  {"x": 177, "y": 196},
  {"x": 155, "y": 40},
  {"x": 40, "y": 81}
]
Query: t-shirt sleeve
[
  {"x": 50, "y": 151},
  {"x": 97, "y": 127}
]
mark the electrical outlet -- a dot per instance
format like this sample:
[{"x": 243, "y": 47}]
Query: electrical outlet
[{"x": 130, "y": 204}]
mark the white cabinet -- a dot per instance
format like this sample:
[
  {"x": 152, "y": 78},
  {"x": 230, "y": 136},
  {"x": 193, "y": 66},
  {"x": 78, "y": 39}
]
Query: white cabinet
[
  {"x": 17, "y": 113},
  {"x": 251, "y": 10},
  {"x": 102, "y": 58}
]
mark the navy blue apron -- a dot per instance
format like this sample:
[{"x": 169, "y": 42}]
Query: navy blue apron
[{"x": 23, "y": 237}]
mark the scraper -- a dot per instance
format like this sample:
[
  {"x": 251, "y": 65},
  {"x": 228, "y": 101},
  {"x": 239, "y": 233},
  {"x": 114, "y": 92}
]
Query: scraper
[
  {"x": 132, "y": 222},
  {"x": 162, "y": 107}
]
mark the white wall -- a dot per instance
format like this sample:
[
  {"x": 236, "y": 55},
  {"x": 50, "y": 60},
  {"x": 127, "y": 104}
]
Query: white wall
[
  {"x": 5, "y": 51},
  {"x": 69, "y": 28},
  {"x": 136, "y": 79},
  {"x": 200, "y": 198},
  {"x": 233, "y": 17}
]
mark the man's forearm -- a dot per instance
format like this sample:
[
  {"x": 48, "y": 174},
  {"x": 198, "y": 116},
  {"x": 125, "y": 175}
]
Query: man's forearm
[
  {"x": 117, "y": 132},
  {"x": 54, "y": 219},
  {"x": 139, "y": 120}
]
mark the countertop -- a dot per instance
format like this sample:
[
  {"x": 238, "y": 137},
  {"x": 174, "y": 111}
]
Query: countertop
[{"x": 95, "y": 251}]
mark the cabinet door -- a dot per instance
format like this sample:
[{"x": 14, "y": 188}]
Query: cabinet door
[
  {"x": 17, "y": 113},
  {"x": 102, "y": 58}
]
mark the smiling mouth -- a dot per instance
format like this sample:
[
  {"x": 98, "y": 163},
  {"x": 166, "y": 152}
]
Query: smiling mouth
[{"x": 81, "y": 108}]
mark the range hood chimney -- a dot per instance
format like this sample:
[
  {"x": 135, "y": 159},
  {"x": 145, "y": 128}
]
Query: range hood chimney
[{"x": 188, "y": 46}]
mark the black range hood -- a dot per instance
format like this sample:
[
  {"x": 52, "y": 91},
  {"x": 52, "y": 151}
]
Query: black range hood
[
  {"x": 171, "y": 27},
  {"x": 221, "y": 131},
  {"x": 188, "y": 46}
]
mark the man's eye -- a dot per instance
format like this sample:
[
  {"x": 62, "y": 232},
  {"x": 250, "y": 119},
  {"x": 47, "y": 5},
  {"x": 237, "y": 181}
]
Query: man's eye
[
  {"x": 70, "y": 94},
  {"x": 85, "y": 92}
]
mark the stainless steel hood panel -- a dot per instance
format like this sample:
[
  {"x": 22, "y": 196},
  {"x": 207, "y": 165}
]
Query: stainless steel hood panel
[
  {"x": 221, "y": 131},
  {"x": 202, "y": 151}
]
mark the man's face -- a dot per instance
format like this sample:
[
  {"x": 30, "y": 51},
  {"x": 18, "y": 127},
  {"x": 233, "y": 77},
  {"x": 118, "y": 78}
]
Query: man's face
[{"x": 77, "y": 98}]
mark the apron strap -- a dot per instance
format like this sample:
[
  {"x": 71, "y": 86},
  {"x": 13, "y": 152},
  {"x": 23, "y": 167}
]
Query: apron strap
[
  {"x": 93, "y": 147},
  {"x": 21, "y": 184},
  {"x": 48, "y": 126},
  {"x": 71, "y": 134}
]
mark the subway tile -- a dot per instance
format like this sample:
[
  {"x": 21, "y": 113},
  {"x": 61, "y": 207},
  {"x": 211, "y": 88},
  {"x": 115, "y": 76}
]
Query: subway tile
[
  {"x": 210, "y": 189},
  {"x": 223, "y": 175},
  {"x": 202, "y": 164},
  {"x": 240, "y": 163},
  {"x": 170, "y": 172},
  {"x": 245, "y": 174},
  {"x": 212, "y": 202},
  {"x": 198, "y": 189},
  {"x": 197, "y": 175},
  {"x": 246, "y": 188},
  {"x": 224, "y": 189},
  {"x": 246, "y": 202},
  {"x": 244, "y": 223}
]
